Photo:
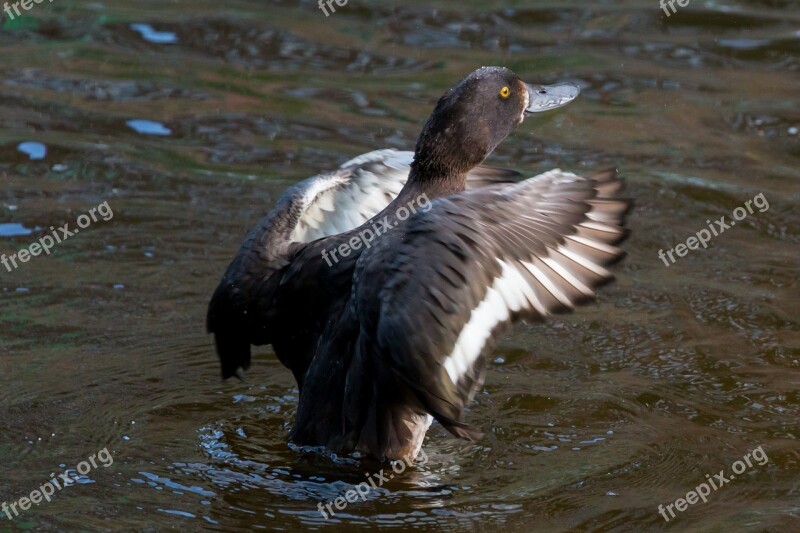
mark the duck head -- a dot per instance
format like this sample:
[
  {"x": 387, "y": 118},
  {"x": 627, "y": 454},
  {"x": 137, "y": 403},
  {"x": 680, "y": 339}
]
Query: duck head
[{"x": 475, "y": 115}]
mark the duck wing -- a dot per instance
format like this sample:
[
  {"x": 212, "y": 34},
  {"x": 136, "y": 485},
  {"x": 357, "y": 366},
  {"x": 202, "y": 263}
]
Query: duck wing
[
  {"x": 473, "y": 263},
  {"x": 243, "y": 309},
  {"x": 344, "y": 199}
]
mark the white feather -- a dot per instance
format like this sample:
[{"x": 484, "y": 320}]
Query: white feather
[
  {"x": 339, "y": 202},
  {"x": 493, "y": 310}
]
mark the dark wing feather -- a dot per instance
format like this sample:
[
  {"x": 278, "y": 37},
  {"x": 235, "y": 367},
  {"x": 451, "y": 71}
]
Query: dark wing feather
[{"x": 477, "y": 261}]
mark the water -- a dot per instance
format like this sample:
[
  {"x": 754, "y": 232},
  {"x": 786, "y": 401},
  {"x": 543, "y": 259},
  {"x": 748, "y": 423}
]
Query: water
[{"x": 592, "y": 421}]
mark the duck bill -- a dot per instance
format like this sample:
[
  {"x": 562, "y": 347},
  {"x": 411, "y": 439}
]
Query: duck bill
[{"x": 547, "y": 97}]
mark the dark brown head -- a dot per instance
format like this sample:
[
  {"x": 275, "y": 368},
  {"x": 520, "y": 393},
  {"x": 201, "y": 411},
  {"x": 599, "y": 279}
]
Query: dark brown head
[{"x": 474, "y": 116}]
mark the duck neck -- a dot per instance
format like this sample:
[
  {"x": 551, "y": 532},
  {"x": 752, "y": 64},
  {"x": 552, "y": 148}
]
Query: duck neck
[
  {"x": 433, "y": 181},
  {"x": 449, "y": 146},
  {"x": 421, "y": 188},
  {"x": 441, "y": 165}
]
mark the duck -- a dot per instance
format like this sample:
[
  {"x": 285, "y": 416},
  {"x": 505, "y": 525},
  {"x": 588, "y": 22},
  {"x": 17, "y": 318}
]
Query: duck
[{"x": 383, "y": 285}]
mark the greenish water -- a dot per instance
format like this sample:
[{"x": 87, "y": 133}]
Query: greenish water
[{"x": 592, "y": 420}]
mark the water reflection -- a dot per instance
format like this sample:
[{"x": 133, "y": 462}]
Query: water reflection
[
  {"x": 34, "y": 150},
  {"x": 148, "y": 127},
  {"x": 150, "y": 35},
  {"x": 14, "y": 229}
]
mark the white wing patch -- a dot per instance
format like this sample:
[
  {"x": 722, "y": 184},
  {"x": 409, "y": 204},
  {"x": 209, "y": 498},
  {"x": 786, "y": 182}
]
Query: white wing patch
[
  {"x": 542, "y": 284},
  {"x": 351, "y": 196},
  {"x": 389, "y": 157},
  {"x": 493, "y": 310}
]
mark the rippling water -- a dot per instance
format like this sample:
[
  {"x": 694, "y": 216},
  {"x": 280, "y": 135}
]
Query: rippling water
[{"x": 189, "y": 119}]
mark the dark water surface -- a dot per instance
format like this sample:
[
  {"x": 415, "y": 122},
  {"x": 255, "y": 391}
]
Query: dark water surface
[{"x": 190, "y": 118}]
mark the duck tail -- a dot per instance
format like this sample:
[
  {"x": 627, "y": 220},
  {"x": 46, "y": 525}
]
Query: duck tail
[{"x": 231, "y": 341}]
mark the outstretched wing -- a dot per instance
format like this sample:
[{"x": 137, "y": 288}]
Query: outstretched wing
[
  {"x": 241, "y": 311},
  {"x": 481, "y": 259},
  {"x": 344, "y": 199}
]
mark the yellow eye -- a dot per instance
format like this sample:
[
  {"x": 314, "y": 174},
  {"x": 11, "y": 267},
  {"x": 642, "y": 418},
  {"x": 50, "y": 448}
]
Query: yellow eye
[{"x": 505, "y": 92}]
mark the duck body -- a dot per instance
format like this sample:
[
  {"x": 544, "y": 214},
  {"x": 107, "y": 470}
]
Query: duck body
[
  {"x": 279, "y": 289},
  {"x": 392, "y": 334}
]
